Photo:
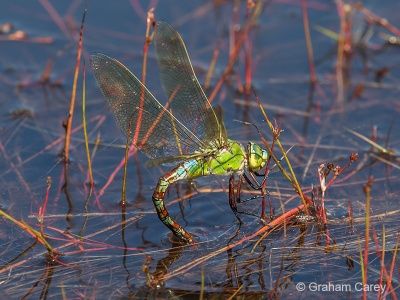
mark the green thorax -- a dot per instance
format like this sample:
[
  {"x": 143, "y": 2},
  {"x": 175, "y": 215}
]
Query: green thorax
[
  {"x": 227, "y": 160},
  {"x": 222, "y": 161}
]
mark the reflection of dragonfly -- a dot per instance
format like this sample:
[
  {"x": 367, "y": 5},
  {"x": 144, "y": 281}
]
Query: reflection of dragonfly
[{"x": 187, "y": 131}]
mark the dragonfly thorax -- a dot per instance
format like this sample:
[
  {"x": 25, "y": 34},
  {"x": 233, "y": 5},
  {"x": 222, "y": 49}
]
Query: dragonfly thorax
[{"x": 256, "y": 157}]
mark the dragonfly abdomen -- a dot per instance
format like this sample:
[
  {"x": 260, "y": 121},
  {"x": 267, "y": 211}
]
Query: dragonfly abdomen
[
  {"x": 223, "y": 161},
  {"x": 189, "y": 169}
]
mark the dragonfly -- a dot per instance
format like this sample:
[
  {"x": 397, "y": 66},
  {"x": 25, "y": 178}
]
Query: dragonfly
[{"x": 186, "y": 132}]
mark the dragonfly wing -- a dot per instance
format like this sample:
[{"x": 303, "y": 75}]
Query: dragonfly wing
[
  {"x": 153, "y": 128},
  {"x": 218, "y": 112},
  {"x": 186, "y": 98}
]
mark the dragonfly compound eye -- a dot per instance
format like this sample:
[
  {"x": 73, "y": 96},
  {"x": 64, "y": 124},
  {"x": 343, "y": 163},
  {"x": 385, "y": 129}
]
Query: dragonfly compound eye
[{"x": 257, "y": 157}]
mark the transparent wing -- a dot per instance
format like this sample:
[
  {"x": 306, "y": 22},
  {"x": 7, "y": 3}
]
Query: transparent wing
[
  {"x": 186, "y": 98},
  {"x": 156, "y": 131}
]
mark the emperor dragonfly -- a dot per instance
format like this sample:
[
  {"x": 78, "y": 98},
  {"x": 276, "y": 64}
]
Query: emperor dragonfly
[{"x": 187, "y": 131}]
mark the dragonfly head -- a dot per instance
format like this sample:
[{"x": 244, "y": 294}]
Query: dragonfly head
[{"x": 257, "y": 157}]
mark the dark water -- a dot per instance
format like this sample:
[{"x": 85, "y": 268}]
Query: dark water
[{"x": 110, "y": 261}]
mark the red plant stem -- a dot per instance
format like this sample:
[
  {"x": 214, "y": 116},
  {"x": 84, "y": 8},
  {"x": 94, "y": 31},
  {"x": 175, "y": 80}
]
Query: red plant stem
[
  {"x": 349, "y": 210},
  {"x": 46, "y": 200},
  {"x": 56, "y": 17},
  {"x": 138, "y": 9},
  {"x": 141, "y": 102},
  {"x": 233, "y": 56},
  {"x": 336, "y": 176},
  {"x": 132, "y": 151},
  {"x": 248, "y": 46},
  {"x": 381, "y": 21}
]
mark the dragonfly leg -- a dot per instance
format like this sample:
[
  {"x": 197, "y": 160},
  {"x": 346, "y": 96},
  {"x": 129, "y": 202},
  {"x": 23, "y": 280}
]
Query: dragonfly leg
[
  {"x": 232, "y": 198},
  {"x": 158, "y": 199},
  {"x": 255, "y": 186}
]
